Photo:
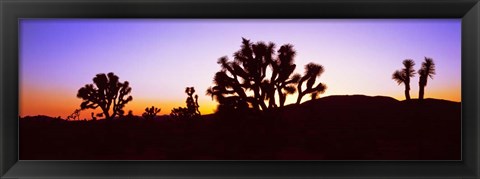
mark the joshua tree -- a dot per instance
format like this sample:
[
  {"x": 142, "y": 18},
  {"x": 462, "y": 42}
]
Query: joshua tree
[
  {"x": 427, "y": 70},
  {"x": 192, "y": 106},
  {"x": 312, "y": 71},
  {"x": 149, "y": 113},
  {"x": 403, "y": 76},
  {"x": 107, "y": 93},
  {"x": 248, "y": 72}
]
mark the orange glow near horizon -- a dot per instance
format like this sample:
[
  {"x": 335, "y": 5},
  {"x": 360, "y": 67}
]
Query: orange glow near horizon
[{"x": 63, "y": 105}]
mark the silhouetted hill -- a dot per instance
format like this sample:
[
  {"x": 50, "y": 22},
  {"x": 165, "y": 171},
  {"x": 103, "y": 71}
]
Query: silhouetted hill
[
  {"x": 353, "y": 127},
  {"x": 367, "y": 108}
]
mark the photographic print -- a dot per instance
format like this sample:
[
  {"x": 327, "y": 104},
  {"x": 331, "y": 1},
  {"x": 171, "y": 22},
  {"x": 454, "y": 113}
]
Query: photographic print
[{"x": 240, "y": 89}]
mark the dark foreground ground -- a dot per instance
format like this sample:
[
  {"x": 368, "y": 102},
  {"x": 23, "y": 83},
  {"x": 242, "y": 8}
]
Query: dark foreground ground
[{"x": 330, "y": 128}]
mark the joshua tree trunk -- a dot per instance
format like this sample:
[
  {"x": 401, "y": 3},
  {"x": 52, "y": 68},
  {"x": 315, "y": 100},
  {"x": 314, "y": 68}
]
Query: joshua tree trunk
[
  {"x": 421, "y": 92},
  {"x": 407, "y": 95},
  {"x": 259, "y": 101},
  {"x": 299, "y": 89},
  {"x": 107, "y": 114},
  {"x": 407, "y": 91},
  {"x": 282, "y": 97},
  {"x": 271, "y": 96}
]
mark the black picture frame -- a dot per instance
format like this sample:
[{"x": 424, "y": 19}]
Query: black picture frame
[{"x": 12, "y": 10}]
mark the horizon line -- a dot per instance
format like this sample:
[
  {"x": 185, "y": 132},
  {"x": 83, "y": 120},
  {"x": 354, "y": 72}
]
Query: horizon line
[{"x": 414, "y": 99}]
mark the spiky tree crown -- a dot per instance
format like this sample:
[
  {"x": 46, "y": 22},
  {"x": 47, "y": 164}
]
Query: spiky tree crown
[
  {"x": 428, "y": 68},
  {"x": 107, "y": 92},
  {"x": 408, "y": 70},
  {"x": 403, "y": 76}
]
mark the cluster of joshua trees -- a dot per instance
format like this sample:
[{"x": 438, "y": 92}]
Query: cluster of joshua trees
[
  {"x": 107, "y": 92},
  {"x": 257, "y": 70},
  {"x": 257, "y": 67},
  {"x": 111, "y": 96},
  {"x": 259, "y": 78},
  {"x": 403, "y": 76}
]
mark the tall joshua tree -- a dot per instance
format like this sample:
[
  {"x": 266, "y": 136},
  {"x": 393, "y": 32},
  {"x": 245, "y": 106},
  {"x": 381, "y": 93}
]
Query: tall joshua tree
[
  {"x": 312, "y": 71},
  {"x": 403, "y": 76},
  {"x": 427, "y": 70},
  {"x": 108, "y": 93}
]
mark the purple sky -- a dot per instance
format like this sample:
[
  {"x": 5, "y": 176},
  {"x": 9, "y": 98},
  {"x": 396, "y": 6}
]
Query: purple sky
[{"x": 160, "y": 57}]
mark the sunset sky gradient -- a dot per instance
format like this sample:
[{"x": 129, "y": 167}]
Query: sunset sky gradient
[{"x": 160, "y": 57}]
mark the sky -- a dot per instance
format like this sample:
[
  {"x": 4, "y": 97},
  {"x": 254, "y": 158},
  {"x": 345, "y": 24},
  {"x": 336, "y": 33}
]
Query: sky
[{"x": 160, "y": 57}]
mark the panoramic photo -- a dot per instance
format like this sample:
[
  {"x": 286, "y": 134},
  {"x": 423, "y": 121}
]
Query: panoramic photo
[{"x": 240, "y": 89}]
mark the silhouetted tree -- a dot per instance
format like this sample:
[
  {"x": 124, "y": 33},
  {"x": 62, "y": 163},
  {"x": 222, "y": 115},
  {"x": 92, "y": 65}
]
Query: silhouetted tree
[
  {"x": 107, "y": 93},
  {"x": 192, "y": 103},
  {"x": 403, "y": 76},
  {"x": 192, "y": 106},
  {"x": 150, "y": 113},
  {"x": 427, "y": 70},
  {"x": 248, "y": 72},
  {"x": 312, "y": 71}
]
